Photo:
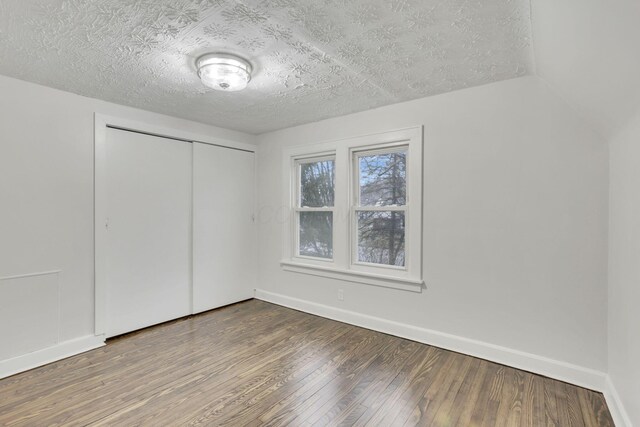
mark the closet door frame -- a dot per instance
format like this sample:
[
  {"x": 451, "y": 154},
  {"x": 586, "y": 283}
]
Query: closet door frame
[{"x": 101, "y": 123}]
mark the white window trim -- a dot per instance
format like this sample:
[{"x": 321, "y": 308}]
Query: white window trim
[{"x": 342, "y": 266}]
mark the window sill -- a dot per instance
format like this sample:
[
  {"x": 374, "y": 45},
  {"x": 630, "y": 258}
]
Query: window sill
[{"x": 354, "y": 276}]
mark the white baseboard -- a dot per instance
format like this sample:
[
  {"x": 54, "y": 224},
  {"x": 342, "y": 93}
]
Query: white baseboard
[
  {"x": 618, "y": 413},
  {"x": 47, "y": 355},
  {"x": 578, "y": 375}
]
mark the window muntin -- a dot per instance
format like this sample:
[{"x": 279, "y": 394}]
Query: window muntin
[
  {"x": 380, "y": 207},
  {"x": 314, "y": 208}
]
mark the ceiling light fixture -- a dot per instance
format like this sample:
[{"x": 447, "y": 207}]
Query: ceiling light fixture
[{"x": 222, "y": 71}]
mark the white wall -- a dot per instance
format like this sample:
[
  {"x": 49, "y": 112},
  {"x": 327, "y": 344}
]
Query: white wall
[
  {"x": 46, "y": 194},
  {"x": 624, "y": 267},
  {"x": 588, "y": 51},
  {"x": 515, "y": 221}
]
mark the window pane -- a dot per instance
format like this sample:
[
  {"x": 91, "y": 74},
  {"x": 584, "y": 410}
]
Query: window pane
[
  {"x": 316, "y": 234},
  {"x": 316, "y": 184},
  {"x": 381, "y": 237},
  {"x": 383, "y": 179}
]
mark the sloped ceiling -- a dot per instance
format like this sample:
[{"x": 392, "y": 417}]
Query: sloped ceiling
[
  {"x": 589, "y": 52},
  {"x": 313, "y": 59}
]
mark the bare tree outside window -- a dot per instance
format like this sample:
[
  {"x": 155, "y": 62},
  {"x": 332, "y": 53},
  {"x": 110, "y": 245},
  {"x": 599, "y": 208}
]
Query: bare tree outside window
[
  {"x": 380, "y": 216},
  {"x": 317, "y": 181},
  {"x": 315, "y": 208}
]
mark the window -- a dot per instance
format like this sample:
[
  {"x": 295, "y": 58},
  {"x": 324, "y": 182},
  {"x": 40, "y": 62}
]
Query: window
[
  {"x": 314, "y": 208},
  {"x": 356, "y": 209},
  {"x": 380, "y": 209}
]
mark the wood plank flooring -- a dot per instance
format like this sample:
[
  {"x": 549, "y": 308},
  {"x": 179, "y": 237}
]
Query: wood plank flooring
[{"x": 254, "y": 364}]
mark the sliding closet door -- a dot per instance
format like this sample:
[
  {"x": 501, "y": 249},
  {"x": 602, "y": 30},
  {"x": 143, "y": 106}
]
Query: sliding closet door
[
  {"x": 224, "y": 234},
  {"x": 148, "y": 242}
]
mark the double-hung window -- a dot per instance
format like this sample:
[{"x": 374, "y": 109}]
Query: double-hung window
[
  {"x": 315, "y": 196},
  {"x": 356, "y": 209},
  {"x": 381, "y": 206}
]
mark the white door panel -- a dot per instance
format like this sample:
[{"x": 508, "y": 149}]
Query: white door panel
[
  {"x": 148, "y": 242},
  {"x": 224, "y": 233}
]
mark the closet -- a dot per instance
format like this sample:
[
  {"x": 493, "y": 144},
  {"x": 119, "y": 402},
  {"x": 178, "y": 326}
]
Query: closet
[{"x": 177, "y": 228}]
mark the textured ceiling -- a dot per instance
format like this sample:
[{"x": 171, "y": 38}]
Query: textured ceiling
[{"x": 312, "y": 59}]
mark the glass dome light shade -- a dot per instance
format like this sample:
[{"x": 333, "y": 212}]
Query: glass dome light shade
[{"x": 224, "y": 72}]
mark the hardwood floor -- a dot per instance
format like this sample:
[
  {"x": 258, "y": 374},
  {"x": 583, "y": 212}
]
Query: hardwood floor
[{"x": 256, "y": 363}]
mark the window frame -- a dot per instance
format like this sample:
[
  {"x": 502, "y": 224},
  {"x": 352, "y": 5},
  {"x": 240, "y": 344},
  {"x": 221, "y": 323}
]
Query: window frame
[
  {"x": 355, "y": 206},
  {"x": 346, "y": 196},
  {"x": 297, "y": 207}
]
